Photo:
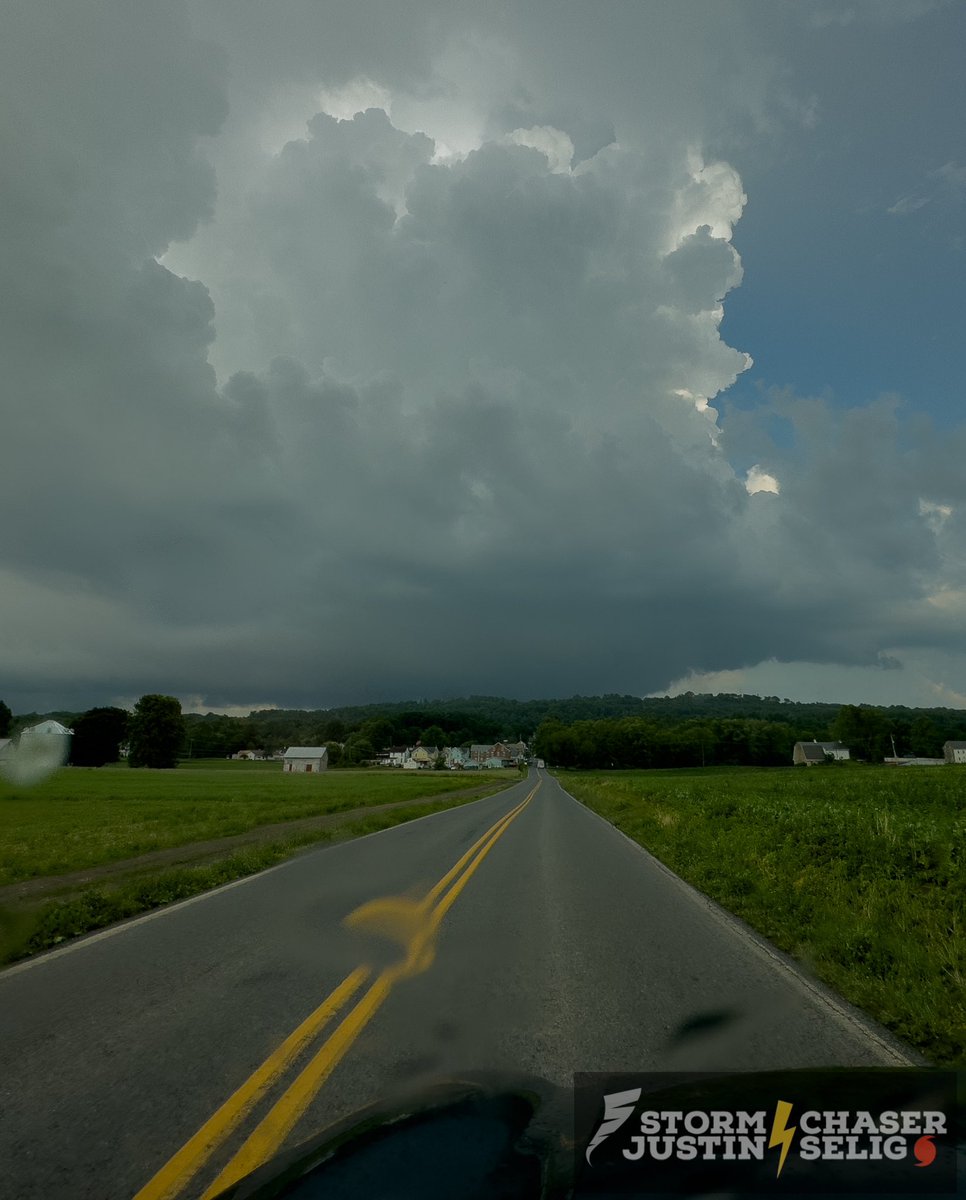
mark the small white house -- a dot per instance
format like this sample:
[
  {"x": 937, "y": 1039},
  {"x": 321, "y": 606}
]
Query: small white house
[
  {"x": 306, "y": 759},
  {"x": 954, "y": 752},
  {"x": 395, "y": 756}
]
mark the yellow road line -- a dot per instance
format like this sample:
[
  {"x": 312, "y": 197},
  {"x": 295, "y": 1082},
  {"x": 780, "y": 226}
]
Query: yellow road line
[
  {"x": 268, "y": 1136},
  {"x": 195, "y": 1153},
  {"x": 176, "y": 1173},
  {"x": 450, "y": 874}
]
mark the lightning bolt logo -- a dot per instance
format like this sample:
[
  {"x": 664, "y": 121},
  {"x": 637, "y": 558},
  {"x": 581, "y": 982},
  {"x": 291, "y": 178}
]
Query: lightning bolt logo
[
  {"x": 781, "y": 1135},
  {"x": 618, "y": 1106}
]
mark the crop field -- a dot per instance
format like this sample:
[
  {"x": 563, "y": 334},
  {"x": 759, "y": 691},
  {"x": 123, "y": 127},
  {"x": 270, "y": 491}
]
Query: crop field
[
  {"x": 101, "y": 822},
  {"x": 858, "y": 872}
]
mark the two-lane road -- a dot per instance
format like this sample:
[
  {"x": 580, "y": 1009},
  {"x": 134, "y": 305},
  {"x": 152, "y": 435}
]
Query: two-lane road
[{"x": 520, "y": 932}]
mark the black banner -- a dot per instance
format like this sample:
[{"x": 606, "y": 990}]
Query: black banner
[{"x": 836, "y": 1132}]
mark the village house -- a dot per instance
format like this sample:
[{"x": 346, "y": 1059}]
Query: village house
[
  {"x": 422, "y": 758},
  {"x": 500, "y": 754},
  {"x": 954, "y": 752},
  {"x": 456, "y": 758},
  {"x": 395, "y": 756}
]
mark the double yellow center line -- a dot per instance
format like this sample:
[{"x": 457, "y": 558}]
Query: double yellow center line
[{"x": 414, "y": 923}]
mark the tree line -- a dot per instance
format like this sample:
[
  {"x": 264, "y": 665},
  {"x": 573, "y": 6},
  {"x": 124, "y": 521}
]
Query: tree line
[
  {"x": 636, "y": 742},
  {"x": 592, "y": 731}
]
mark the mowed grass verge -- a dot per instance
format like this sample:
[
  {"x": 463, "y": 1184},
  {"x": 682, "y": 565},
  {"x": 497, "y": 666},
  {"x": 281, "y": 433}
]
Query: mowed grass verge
[
  {"x": 88, "y": 819},
  {"x": 858, "y": 872}
]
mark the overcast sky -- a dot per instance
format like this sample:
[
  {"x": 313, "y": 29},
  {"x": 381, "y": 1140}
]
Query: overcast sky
[{"x": 419, "y": 348}]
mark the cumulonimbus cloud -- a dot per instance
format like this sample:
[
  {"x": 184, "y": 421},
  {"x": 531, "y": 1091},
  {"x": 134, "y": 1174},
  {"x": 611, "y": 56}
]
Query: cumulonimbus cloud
[{"x": 391, "y": 422}]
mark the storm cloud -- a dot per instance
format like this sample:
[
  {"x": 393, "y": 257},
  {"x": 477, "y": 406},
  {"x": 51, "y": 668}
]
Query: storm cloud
[{"x": 348, "y": 359}]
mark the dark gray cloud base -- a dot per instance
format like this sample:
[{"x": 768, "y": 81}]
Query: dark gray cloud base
[{"x": 413, "y": 426}]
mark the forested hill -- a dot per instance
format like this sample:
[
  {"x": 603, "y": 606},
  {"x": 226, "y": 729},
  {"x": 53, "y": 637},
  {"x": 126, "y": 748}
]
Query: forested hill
[
  {"x": 510, "y": 718},
  {"x": 499, "y": 717}
]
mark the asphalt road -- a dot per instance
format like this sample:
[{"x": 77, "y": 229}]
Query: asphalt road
[{"x": 563, "y": 948}]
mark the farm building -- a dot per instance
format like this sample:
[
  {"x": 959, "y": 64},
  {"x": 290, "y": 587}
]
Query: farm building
[
  {"x": 307, "y": 759},
  {"x": 47, "y": 729},
  {"x": 954, "y": 752},
  {"x": 818, "y": 752},
  {"x": 37, "y": 752}
]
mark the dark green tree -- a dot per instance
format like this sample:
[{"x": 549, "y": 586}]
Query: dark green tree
[
  {"x": 156, "y": 732},
  {"x": 98, "y": 735},
  {"x": 433, "y": 735},
  {"x": 357, "y": 750},
  {"x": 864, "y": 730},
  {"x": 6, "y": 719},
  {"x": 380, "y": 732},
  {"x": 926, "y": 738},
  {"x": 332, "y": 730}
]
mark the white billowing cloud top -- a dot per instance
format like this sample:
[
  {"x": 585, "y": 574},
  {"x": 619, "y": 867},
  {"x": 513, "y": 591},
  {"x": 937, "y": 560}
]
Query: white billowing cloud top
[
  {"x": 402, "y": 375},
  {"x": 760, "y": 481}
]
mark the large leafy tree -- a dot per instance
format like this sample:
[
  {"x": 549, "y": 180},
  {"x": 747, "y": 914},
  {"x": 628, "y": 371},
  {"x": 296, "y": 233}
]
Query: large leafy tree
[
  {"x": 379, "y": 731},
  {"x": 156, "y": 732},
  {"x": 926, "y": 738},
  {"x": 98, "y": 735},
  {"x": 357, "y": 750},
  {"x": 864, "y": 730}
]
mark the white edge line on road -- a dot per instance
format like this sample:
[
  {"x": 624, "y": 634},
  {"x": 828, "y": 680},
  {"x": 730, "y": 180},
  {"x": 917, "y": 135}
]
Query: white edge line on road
[
  {"x": 88, "y": 939},
  {"x": 848, "y": 1016}
]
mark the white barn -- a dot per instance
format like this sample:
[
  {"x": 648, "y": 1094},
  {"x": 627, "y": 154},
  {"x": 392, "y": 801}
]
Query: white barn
[
  {"x": 818, "y": 752},
  {"x": 47, "y": 729},
  {"x": 307, "y": 759}
]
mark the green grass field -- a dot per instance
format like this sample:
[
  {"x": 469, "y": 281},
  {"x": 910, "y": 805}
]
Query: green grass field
[
  {"x": 84, "y": 817},
  {"x": 857, "y": 872},
  {"x": 87, "y": 819}
]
